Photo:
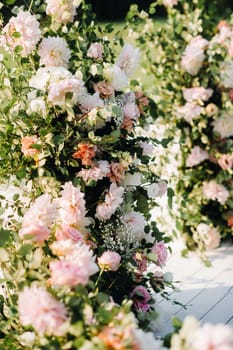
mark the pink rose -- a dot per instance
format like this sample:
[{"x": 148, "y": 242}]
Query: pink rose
[
  {"x": 95, "y": 51},
  {"x": 38, "y": 308},
  {"x": 68, "y": 232},
  {"x": 109, "y": 261},
  {"x": 225, "y": 161},
  {"x": 38, "y": 233},
  {"x": 160, "y": 250},
  {"x": 140, "y": 297}
]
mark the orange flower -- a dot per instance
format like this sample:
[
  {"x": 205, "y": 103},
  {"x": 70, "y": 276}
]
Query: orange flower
[
  {"x": 222, "y": 24},
  {"x": 85, "y": 152},
  {"x": 116, "y": 339},
  {"x": 230, "y": 221},
  {"x": 27, "y": 143}
]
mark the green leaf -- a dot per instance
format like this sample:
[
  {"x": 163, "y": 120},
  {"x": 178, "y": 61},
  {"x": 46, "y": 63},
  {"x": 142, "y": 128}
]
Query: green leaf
[
  {"x": 176, "y": 323},
  {"x": 25, "y": 249},
  {"x": 102, "y": 298},
  {"x": 5, "y": 236},
  {"x": 170, "y": 194},
  {"x": 152, "y": 257}
]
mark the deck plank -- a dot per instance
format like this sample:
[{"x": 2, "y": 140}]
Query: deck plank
[{"x": 207, "y": 292}]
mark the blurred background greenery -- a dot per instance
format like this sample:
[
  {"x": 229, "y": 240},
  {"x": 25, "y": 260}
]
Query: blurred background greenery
[{"x": 116, "y": 10}]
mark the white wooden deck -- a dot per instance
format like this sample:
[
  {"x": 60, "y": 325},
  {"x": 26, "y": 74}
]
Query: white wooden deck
[{"x": 206, "y": 292}]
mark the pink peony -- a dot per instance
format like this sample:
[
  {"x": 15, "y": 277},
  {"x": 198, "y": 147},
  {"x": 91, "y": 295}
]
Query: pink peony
[
  {"x": 196, "y": 156},
  {"x": 197, "y": 94},
  {"x": 113, "y": 200},
  {"x": 140, "y": 297},
  {"x": 213, "y": 337},
  {"x": 95, "y": 51},
  {"x": 61, "y": 11},
  {"x": 160, "y": 250},
  {"x": 54, "y": 52},
  {"x": 42, "y": 212},
  {"x": 27, "y": 26},
  {"x": 40, "y": 310},
  {"x": 36, "y": 232},
  {"x": 84, "y": 258},
  {"x": 72, "y": 206},
  {"x": 76, "y": 267},
  {"x": 214, "y": 191},
  {"x": 67, "y": 273},
  {"x": 109, "y": 261}
]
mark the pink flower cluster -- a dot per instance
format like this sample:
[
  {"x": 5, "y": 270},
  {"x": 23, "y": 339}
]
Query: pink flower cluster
[
  {"x": 39, "y": 309},
  {"x": 74, "y": 268}
]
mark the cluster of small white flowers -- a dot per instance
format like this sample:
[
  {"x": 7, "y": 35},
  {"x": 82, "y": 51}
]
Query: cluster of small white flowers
[{"x": 118, "y": 237}]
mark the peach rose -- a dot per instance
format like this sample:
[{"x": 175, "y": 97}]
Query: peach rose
[
  {"x": 27, "y": 142},
  {"x": 109, "y": 261},
  {"x": 117, "y": 173},
  {"x": 104, "y": 88},
  {"x": 85, "y": 152},
  {"x": 225, "y": 161}
]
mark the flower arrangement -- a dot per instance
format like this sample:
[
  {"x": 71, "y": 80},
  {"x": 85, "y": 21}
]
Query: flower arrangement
[
  {"x": 83, "y": 258},
  {"x": 193, "y": 70}
]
